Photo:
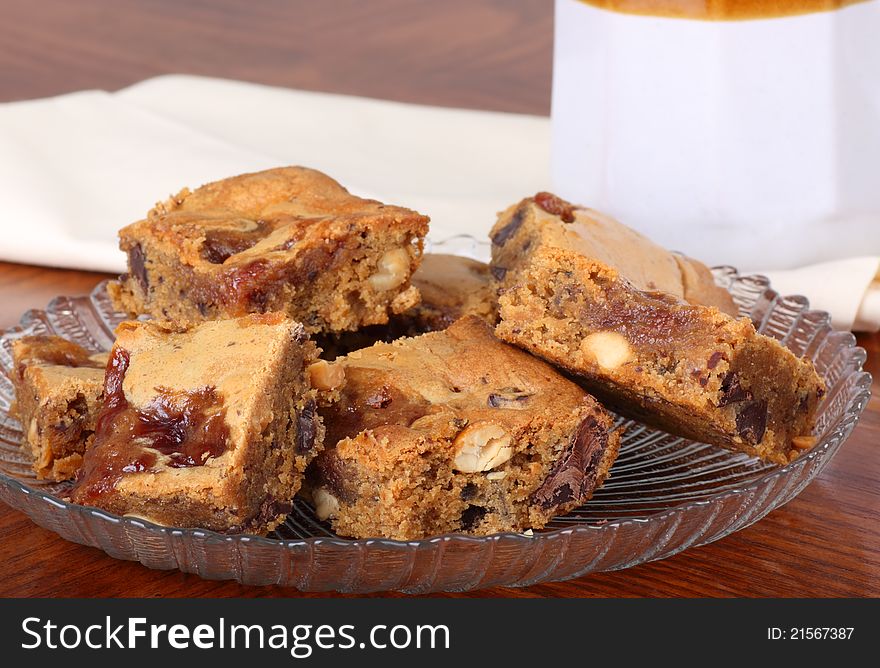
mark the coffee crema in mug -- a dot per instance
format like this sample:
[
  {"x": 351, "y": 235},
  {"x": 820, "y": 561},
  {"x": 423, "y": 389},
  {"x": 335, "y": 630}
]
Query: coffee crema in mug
[{"x": 721, "y": 10}]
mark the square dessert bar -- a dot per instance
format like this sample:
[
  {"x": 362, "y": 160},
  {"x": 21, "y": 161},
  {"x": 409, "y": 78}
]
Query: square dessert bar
[
  {"x": 207, "y": 425},
  {"x": 690, "y": 370},
  {"x": 290, "y": 240},
  {"x": 546, "y": 220},
  {"x": 456, "y": 431},
  {"x": 58, "y": 393}
]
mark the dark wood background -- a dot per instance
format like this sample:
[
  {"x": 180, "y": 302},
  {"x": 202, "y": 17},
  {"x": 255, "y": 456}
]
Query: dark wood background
[{"x": 487, "y": 54}]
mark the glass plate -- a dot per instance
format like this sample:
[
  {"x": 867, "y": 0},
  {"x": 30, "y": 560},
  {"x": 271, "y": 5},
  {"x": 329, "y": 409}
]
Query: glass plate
[{"x": 664, "y": 495}]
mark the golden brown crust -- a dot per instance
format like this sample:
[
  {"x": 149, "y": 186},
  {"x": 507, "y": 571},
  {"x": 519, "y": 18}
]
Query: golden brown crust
[
  {"x": 548, "y": 221},
  {"x": 700, "y": 288},
  {"x": 289, "y": 239}
]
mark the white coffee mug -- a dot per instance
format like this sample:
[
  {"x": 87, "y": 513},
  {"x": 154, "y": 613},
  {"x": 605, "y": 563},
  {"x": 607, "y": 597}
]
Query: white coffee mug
[{"x": 753, "y": 142}]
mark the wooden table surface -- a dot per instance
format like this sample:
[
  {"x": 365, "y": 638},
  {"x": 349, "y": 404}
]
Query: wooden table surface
[{"x": 489, "y": 54}]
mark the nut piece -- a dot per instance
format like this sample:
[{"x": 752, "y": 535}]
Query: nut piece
[
  {"x": 803, "y": 442},
  {"x": 326, "y": 376},
  {"x": 610, "y": 349},
  {"x": 33, "y": 431},
  {"x": 481, "y": 447},
  {"x": 326, "y": 505},
  {"x": 43, "y": 459},
  {"x": 393, "y": 268}
]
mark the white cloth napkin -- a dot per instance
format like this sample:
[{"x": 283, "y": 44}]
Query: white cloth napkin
[
  {"x": 848, "y": 289},
  {"x": 76, "y": 168}
]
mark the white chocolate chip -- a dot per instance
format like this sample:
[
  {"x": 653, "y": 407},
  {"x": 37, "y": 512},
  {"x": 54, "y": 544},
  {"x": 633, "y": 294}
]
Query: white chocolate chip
[
  {"x": 481, "y": 447},
  {"x": 326, "y": 376},
  {"x": 610, "y": 349},
  {"x": 496, "y": 475},
  {"x": 393, "y": 268},
  {"x": 326, "y": 505}
]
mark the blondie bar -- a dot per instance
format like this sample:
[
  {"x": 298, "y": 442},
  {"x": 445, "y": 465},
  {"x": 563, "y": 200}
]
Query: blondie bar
[
  {"x": 546, "y": 220},
  {"x": 456, "y": 431},
  {"x": 207, "y": 425},
  {"x": 688, "y": 369},
  {"x": 290, "y": 240},
  {"x": 58, "y": 392}
]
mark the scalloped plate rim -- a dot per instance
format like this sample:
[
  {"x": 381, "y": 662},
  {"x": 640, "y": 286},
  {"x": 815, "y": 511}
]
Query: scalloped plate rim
[{"x": 819, "y": 452}]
